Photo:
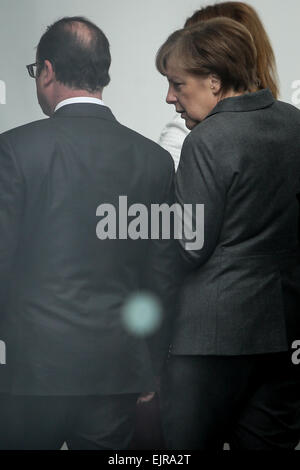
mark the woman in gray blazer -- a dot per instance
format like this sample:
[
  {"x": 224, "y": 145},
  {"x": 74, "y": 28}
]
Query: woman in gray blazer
[{"x": 230, "y": 375}]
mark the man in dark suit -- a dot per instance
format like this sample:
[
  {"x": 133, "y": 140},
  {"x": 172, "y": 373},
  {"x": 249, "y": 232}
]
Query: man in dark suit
[{"x": 73, "y": 371}]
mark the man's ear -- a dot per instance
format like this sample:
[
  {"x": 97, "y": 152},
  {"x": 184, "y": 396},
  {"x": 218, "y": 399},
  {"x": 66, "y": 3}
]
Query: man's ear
[{"x": 47, "y": 74}]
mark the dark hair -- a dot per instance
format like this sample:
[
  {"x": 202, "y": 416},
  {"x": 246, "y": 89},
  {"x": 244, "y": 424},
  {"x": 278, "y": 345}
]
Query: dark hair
[
  {"x": 220, "y": 46},
  {"x": 78, "y": 51},
  {"x": 247, "y": 16}
]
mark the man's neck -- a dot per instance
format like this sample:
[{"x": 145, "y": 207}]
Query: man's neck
[
  {"x": 66, "y": 93},
  {"x": 79, "y": 99}
]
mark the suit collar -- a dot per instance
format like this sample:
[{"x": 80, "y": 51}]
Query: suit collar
[
  {"x": 85, "y": 110},
  {"x": 248, "y": 102},
  {"x": 79, "y": 99}
]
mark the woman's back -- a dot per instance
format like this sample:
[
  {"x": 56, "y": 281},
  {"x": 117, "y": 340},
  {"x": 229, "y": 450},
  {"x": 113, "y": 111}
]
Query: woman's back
[{"x": 242, "y": 162}]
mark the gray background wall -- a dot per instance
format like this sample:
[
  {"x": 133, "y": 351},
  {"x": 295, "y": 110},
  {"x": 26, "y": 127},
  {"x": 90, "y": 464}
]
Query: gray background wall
[{"x": 136, "y": 29}]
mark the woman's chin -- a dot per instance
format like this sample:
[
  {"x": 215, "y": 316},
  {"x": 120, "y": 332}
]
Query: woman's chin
[{"x": 190, "y": 124}]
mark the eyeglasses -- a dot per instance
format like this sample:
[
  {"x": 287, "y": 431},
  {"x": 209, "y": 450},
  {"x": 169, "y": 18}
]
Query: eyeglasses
[{"x": 32, "y": 68}]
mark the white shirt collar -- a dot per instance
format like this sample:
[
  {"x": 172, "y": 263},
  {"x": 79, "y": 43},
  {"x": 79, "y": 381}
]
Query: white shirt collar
[{"x": 79, "y": 99}]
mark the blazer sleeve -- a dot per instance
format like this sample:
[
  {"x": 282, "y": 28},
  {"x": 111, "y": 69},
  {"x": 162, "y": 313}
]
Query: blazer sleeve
[
  {"x": 200, "y": 180},
  {"x": 163, "y": 277},
  {"x": 11, "y": 209}
]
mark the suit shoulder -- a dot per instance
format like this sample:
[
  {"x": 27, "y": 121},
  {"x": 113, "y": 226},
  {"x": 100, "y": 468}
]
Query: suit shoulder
[
  {"x": 225, "y": 127},
  {"x": 288, "y": 108},
  {"x": 158, "y": 154},
  {"x": 201, "y": 134},
  {"x": 27, "y": 131}
]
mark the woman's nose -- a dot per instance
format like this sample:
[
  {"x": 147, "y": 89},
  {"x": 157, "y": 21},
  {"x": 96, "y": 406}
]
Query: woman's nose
[{"x": 171, "y": 97}]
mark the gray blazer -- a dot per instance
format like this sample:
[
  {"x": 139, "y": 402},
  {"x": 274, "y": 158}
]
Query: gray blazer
[{"x": 241, "y": 294}]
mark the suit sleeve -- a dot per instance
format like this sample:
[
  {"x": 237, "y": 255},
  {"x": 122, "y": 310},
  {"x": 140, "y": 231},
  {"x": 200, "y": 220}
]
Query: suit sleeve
[
  {"x": 200, "y": 182},
  {"x": 11, "y": 208},
  {"x": 163, "y": 278}
]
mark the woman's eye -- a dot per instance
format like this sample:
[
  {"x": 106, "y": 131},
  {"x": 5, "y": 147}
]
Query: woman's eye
[{"x": 177, "y": 85}]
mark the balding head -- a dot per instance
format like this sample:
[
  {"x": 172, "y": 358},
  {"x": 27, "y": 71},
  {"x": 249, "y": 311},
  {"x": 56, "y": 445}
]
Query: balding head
[
  {"x": 82, "y": 31},
  {"x": 79, "y": 53}
]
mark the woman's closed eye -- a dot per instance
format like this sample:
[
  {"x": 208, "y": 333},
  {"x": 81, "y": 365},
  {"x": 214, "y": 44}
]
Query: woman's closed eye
[{"x": 177, "y": 85}]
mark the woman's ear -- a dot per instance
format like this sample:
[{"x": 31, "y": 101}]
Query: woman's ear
[{"x": 215, "y": 84}]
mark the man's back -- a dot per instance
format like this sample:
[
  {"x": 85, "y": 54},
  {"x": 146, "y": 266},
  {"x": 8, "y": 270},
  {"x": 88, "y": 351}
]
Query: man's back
[{"x": 67, "y": 287}]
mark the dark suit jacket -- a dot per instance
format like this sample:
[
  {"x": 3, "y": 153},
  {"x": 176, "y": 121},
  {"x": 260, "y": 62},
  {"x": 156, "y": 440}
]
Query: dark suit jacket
[
  {"x": 241, "y": 295},
  {"x": 62, "y": 288}
]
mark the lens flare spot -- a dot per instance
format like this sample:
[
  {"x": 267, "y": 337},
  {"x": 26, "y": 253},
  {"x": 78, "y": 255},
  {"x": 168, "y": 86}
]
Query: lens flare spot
[{"x": 142, "y": 314}]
